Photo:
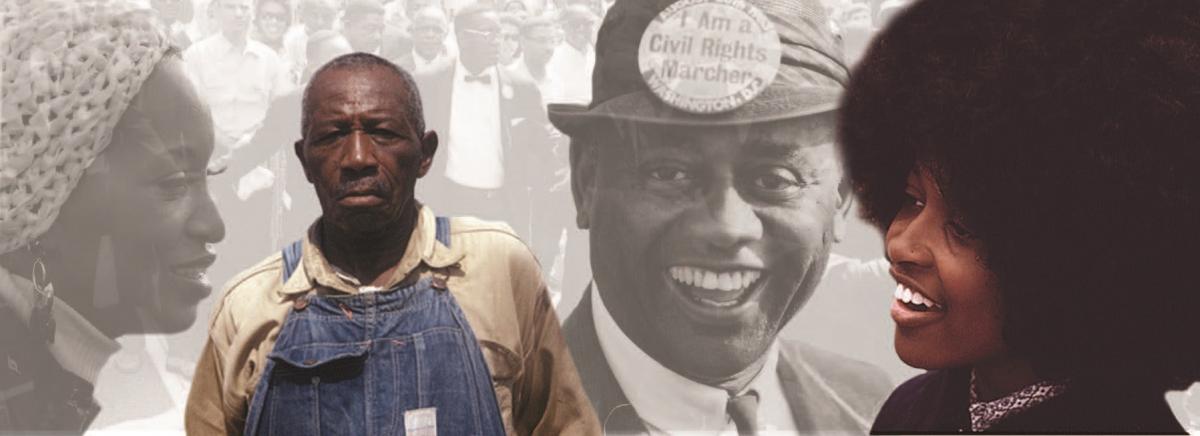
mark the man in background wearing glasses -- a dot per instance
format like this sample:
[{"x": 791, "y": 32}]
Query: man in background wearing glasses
[{"x": 494, "y": 128}]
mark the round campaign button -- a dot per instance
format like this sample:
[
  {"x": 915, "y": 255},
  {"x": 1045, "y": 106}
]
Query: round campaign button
[{"x": 709, "y": 56}]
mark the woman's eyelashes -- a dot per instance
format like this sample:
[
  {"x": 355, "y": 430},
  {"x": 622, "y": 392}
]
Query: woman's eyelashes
[
  {"x": 173, "y": 186},
  {"x": 913, "y": 200},
  {"x": 959, "y": 231},
  {"x": 177, "y": 185}
]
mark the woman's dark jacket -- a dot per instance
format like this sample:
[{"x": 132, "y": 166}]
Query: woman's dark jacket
[{"x": 938, "y": 402}]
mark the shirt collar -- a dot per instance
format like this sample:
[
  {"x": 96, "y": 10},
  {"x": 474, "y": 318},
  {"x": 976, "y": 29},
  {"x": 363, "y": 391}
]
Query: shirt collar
[
  {"x": 663, "y": 398},
  {"x": 985, "y": 414},
  {"x": 423, "y": 248}
]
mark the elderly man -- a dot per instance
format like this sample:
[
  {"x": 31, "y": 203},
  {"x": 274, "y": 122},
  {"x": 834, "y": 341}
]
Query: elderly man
[
  {"x": 706, "y": 173},
  {"x": 384, "y": 318}
]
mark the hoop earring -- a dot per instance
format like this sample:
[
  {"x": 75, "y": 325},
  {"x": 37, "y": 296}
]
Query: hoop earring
[{"x": 41, "y": 321}]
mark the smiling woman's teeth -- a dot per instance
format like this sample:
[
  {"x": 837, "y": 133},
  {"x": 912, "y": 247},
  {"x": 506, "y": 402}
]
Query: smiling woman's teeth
[
  {"x": 191, "y": 273},
  {"x": 715, "y": 281},
  {"x": 908, "y": 296}
]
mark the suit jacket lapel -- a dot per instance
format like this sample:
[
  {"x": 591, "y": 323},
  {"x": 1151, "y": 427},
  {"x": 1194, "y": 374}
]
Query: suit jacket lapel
[
  {"x": 616, "y": 415},
  {"x": 813, "y": 406}
]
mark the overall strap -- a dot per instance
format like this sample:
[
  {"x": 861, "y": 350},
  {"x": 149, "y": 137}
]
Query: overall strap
[
  {"x": 291, "y": 258},
  {"x": 443, "y": 230}
]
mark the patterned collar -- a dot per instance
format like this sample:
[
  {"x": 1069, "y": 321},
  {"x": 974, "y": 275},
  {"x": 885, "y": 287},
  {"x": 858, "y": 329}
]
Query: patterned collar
[{"x": 985, "y": 414}]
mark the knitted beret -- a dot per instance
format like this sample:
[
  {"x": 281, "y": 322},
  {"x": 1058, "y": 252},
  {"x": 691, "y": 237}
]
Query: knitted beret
[{"x": 68, "y": 70}]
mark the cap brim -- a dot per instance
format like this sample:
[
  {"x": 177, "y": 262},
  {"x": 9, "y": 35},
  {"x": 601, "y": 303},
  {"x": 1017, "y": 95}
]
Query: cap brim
[{"x": 773, "y": 104}]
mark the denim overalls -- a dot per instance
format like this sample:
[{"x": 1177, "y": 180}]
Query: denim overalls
[{"x": 395, "y": 362}]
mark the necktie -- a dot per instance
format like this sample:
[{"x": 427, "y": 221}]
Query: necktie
[
  {"x": 483, "y": 78},
  {"x": 743, "y": 409}
]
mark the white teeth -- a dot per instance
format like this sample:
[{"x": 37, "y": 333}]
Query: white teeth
[
  {"x": 717, "y": 281},
  {"x": 725, "y": 282},
  {"x": 198, "y": 274},
  {"x": 909, "y": 296}
]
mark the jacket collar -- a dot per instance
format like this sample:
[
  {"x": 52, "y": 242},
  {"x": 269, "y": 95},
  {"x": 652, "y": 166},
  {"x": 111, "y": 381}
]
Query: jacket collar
[
  {"x": 815, "y": 405},
  {"x": 423, "y": 249},
  {"x": 616, "y": 414}
]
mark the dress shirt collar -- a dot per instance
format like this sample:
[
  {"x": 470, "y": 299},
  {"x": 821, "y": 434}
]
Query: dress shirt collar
[
  {"x": 665, "y": 400},
  {"x": 423, "y": 247}
]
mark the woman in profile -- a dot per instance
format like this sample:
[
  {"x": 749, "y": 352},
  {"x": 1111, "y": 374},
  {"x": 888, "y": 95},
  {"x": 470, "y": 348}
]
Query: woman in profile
[
  {"x": 106, "y": 224},
  {"x": 1035, "y": 166}
]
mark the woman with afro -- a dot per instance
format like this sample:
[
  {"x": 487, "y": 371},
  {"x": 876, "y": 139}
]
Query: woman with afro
[{"x": 1035, "y": 167}]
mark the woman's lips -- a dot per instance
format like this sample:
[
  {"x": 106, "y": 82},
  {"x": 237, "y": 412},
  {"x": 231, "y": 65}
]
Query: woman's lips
[
  {"x": 194, "y": 274},
  {"x": 195, "y": 269}
]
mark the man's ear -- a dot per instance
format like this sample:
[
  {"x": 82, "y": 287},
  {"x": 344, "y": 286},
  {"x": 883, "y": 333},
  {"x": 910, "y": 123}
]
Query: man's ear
[
  {"x": 298, "y": 147},
  {"x": 845, "y": 202},
  {"x": 584, "y": 160},
  {"x": 429, "y": 145}
]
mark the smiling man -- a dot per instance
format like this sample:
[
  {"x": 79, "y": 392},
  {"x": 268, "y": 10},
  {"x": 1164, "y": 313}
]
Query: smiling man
[
  {"x": 384, "y": 318},
  {"x": 712, "y": 204}
]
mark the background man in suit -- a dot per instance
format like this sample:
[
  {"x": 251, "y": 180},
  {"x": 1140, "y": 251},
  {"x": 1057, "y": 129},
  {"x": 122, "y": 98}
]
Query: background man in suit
[
  {"x": 494, "y": 126},
  {"x": 712, "y": 199}
]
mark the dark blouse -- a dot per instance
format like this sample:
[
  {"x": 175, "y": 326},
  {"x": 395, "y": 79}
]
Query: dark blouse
[
  {"x": 938, "y": 402},
  {"x": 36, "y": 393}
]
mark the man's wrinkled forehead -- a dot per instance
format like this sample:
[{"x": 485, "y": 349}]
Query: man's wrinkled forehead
[
  {"x": 780, "y": 137},
  {"x": 357, "y": 88}
]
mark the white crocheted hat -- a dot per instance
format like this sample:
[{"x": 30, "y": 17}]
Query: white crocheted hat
[{"x": 69, "y": 69}]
